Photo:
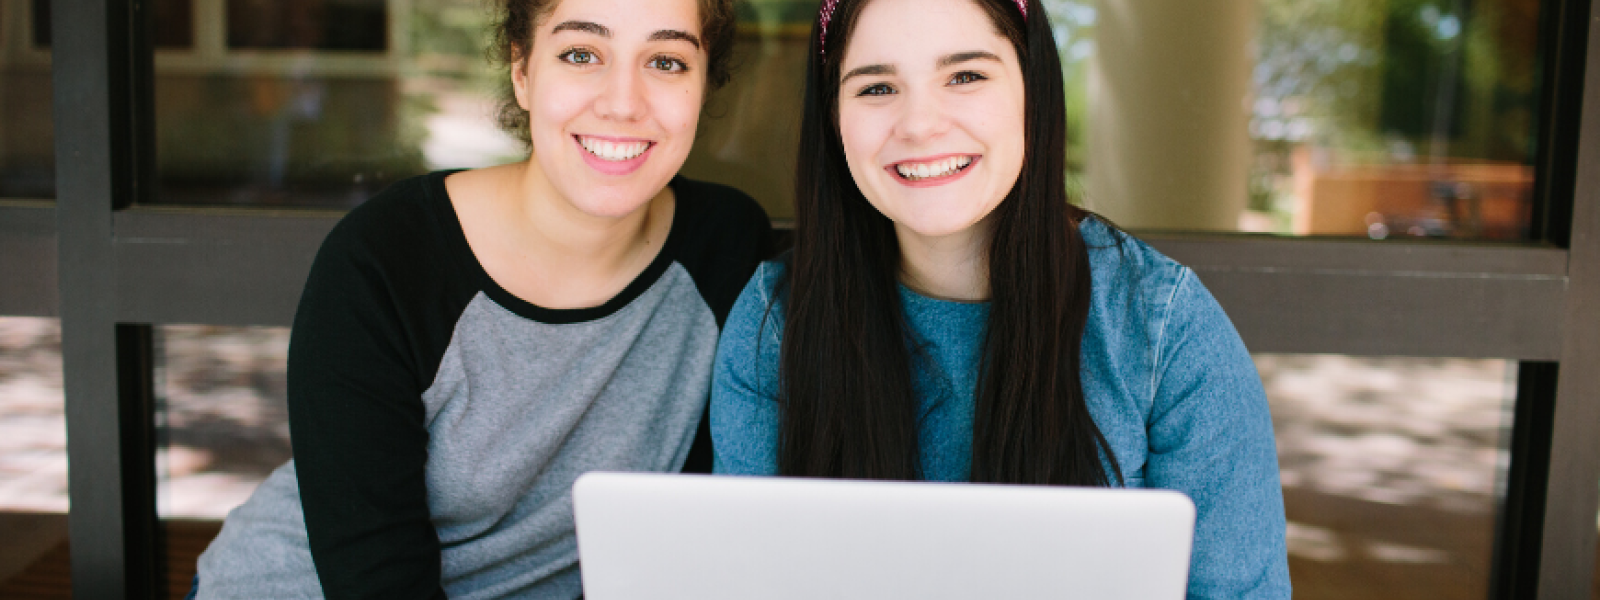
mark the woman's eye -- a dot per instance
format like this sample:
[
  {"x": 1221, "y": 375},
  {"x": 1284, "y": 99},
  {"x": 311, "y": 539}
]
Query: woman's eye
[
  {"x": 578, "y": 57},
  {"x": 965, "y": 77},
  {"x": 668, "y": 64},
  {"x": 879, "y": 89}
]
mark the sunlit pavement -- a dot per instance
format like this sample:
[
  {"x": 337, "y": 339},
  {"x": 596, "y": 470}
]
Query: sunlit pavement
[
  {"x": 222, "y": 392},
  {"x": 1390, "y": 470}
]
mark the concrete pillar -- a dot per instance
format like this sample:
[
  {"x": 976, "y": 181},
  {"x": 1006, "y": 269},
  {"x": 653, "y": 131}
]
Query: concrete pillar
[{"x": 1169, "y": 97}]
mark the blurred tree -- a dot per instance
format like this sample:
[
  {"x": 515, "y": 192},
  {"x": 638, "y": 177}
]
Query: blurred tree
[
  {"x": 1318, "y": 66},
  {"x": 1073, "y": 25}
]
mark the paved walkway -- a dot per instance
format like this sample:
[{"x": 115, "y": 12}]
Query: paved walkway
[{"x": 225, "y": 423}]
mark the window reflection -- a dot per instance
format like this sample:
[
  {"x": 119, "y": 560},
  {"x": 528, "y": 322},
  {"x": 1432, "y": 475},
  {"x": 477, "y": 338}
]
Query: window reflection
[
  {"x": 280, "y": 136},
  {"x": 322, "y": 103},
  {"x": 752, "y": 129},
  {"x": 1374, "y": 118},
  {"x": 172, "y": 23},
  {"x": 27, "y": 137},
  {"x": 40, "y": 19},
  {"x": 1419, "y": 121},
  {"x": 1391, "y": 471},
  {"x": 1380, "y": 119},
  {"x": 359, "y": 25}
]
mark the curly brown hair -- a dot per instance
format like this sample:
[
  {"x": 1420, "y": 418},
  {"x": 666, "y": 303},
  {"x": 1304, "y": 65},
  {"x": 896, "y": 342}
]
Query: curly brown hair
[{"x": 516, "y": 20}]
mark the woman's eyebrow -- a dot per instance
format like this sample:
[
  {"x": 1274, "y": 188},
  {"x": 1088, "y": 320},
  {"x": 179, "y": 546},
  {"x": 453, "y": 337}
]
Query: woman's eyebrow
[
  {"x": 961, "y": 57},
  {"x": 584, "y": 26},
  {"x": 945, "y": 61},
  {"x": 673, "y": 34},
  {"x": 603, "y": 31},
  {"x": 878, "y": 69}
]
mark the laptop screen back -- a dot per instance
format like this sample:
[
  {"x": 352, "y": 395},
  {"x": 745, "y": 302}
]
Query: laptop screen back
[{"x": 652, "y": 536}]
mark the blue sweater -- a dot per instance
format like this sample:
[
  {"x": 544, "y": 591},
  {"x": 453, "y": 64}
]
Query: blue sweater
[{"x": 1167, "y": 379}]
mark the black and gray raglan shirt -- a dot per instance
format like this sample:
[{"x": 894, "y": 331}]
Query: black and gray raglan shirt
[{"x": 438, "y": 421}]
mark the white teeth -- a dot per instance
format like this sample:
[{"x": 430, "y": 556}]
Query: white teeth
[
  {"x": 613, "y": 151},
  {"x": 942, "y": 168}
]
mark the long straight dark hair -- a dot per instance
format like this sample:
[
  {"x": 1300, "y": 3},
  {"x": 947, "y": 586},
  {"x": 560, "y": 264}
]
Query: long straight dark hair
[{"x": 847, "y": 403}]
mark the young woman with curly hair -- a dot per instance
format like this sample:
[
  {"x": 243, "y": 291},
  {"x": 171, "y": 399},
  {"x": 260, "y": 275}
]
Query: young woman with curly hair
[{"x": 468, "y": 343}]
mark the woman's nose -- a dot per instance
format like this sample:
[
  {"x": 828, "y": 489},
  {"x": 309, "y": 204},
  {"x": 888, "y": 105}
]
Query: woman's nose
[
  {"x": 923, "y": 117},
  {"x": 622, "y": 98}
]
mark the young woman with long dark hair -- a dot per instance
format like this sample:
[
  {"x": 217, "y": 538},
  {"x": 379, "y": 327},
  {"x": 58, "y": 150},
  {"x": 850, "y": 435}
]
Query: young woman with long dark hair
[
  {"x": 947, "y": 315},
  {"x": 470, "y": 342}
]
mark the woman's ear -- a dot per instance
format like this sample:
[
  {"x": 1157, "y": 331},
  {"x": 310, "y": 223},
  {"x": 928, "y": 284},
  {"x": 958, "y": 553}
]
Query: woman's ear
[{"x": 520, "y": 83}]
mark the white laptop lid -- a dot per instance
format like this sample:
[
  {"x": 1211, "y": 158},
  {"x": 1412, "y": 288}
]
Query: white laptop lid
[{"x": 653, "y": 536}]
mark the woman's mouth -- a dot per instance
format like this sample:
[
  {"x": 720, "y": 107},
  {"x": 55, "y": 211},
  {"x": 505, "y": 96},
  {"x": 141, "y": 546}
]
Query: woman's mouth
[
  {"x": 933, "y": 171},
  {"x": 613, "y": 151},
  {"x": 614, "y": 156}
]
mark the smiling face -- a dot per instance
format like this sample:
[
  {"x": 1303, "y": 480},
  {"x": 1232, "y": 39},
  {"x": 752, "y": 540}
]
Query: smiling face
[
  {"x": 613, "y": 90},
  {"x": 931, "y": 114}
]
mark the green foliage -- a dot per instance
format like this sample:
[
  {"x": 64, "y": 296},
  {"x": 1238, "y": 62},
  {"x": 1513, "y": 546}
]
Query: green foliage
[
  {"x": 1319, "y": 63},
  {"x": 450, "y": 27},
  {"x": 1073, "y": 22},
  {"x": 450, "y": 40}
]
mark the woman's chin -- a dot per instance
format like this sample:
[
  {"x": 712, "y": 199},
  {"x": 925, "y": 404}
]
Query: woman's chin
[
  {"x": 613, "y": 207},
  {"x": 932, "y": 229},
  {"x": 935, "y": 217}
]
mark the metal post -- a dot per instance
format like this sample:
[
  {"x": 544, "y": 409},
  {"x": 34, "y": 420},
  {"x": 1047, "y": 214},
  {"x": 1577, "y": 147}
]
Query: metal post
[
  {"x": 111, "y": 474},
  {"x": 1567, "y": 555},
  {"x": 1521, "y": 518}
]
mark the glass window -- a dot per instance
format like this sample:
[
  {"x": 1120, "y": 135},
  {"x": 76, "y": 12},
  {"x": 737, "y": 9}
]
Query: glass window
[
  {"x": 322, "y": 103},
  {"x": 349, "y": 110},
  {"x": 33, "y": 458},
  {"x": 41, "y": 23},
  {"x": 751, "y": 128},
  {"x": 350, "y": 25},
  {"x": 1378, "y": 119},
  {"x": 1392, "y": 471},
  {"x": 172, "y": 23},
  {"x": 27, "y": 136},
  {"x": 223, "y": 426}
]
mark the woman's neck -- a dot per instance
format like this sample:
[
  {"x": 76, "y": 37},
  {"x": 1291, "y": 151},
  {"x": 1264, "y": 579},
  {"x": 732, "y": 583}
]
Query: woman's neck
[
  {"x": 542, "y": 248},
  {"x": 563, "y": 234},
  {"x": 952, "y": 267}
]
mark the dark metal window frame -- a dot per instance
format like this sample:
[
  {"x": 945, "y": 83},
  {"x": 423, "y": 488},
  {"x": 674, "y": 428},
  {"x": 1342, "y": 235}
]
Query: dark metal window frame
[{"x": 111, "y": 269}]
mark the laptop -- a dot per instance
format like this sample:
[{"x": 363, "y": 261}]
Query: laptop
[{"x": 656, "y": 536}]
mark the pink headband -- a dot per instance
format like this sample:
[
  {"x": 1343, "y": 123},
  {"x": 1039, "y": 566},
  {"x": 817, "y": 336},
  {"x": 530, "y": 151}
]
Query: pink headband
[{"x": 829, "y": 5}]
